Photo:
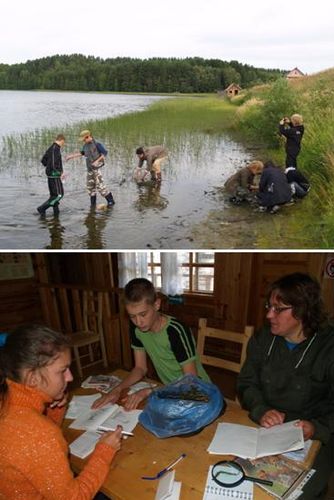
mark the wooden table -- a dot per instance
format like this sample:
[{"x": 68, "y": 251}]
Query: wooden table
[{"x": 145, "y": 454}]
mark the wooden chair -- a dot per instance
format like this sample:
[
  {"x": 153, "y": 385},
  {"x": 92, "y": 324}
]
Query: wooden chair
[
  {"x": 89, "y": 306},
  {"x": 221, "y": 345}
]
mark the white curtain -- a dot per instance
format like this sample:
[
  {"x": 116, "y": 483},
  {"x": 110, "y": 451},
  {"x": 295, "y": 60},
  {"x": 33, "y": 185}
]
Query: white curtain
[
  {"x": 171, "y": 273},
  {"x": 134, "y": 265},
  {"x": 131, "y": 265}
]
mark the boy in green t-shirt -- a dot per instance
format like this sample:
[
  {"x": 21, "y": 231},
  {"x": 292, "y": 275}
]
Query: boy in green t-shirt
[{"x": 168, "y": 342}]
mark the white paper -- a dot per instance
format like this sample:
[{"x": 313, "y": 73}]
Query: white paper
[
  {"x": 92, "y": 419},
  {"x": 249, "y": 442},
  {"x": 127, "y": 419},
  {"x": 138, "y": 386},
  {"x": 168, "y": 488},
  {"x": 84, "y": 444},
  {"x": 165, "y": 486},
  {"x": 79, "y": 405},
  {"x": 300, "y": 455}
]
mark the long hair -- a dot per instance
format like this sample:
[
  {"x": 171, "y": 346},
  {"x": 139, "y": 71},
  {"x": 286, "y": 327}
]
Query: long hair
[
  {"x": 303, "y": 293},
  {"x": 28, "y": 347}
]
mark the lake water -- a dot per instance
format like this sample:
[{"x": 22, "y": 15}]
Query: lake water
[
  {"x": 145, "y": 216},
  {"x": 22, "y": 111}
]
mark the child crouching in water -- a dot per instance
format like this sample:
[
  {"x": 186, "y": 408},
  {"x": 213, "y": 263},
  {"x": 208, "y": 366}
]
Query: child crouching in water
[
  {"x": 34, "y": 373},
  {"x": 240, "y": 185}
]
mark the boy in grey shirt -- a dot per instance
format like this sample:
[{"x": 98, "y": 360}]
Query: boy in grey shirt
[{"x": 95, "y": 154}]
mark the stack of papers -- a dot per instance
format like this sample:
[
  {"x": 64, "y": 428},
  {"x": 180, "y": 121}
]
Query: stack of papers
[
  {"x": 104, "y": 383},
  {"x": 250, "y": 442}
]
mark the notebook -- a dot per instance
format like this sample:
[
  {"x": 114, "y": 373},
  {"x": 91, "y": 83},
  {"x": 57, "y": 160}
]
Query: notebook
[
  {"x": 215, "y": 492},
  {"x": 251, "y": 442}
]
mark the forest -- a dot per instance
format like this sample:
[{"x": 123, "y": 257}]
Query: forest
[{"x": 88, "y": 73}]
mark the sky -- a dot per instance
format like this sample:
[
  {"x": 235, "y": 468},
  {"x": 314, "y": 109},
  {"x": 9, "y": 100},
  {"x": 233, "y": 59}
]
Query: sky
[{"x": 261, "y": 33}]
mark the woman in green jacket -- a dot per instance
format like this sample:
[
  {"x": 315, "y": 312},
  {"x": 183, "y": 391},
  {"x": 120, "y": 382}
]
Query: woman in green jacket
[{"x": 289, "y": 370}]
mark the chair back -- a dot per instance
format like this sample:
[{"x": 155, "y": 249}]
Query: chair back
[{"x": 215, "y": 346}]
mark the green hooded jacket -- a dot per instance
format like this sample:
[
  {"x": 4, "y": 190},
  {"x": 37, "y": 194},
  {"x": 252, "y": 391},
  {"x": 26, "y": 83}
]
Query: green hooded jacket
[{"x": 298, "y": 382}]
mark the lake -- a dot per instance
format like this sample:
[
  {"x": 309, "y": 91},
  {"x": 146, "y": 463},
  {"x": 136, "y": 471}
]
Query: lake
[{"x": 145, "y": 215}]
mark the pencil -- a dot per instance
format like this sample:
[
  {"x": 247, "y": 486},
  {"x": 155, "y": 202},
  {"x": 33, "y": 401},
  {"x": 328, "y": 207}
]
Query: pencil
[{"x": 104, "y": 429}]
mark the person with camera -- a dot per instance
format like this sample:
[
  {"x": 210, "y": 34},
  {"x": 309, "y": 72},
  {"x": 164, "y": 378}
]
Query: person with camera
[{"x": 293, "y": 130}]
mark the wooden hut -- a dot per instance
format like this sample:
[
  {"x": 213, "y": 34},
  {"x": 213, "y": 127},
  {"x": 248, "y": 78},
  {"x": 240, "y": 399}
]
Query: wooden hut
[
  {"x": 295, "y": 73},
  {"x": 232, "y": 90}
]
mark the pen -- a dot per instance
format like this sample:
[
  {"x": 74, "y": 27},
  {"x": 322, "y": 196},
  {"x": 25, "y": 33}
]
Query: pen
[
  {"x": 101, "y": 430},
  {"x": 166, "y": 469}
]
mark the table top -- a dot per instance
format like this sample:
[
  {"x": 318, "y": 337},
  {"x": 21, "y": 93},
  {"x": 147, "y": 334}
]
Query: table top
[{"x": 144, "y": 454}]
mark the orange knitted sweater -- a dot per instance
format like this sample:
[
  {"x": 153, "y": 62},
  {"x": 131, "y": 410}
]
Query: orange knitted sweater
[{"x": 34, "y": 454}]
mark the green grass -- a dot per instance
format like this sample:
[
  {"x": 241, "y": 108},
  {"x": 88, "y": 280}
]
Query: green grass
[{"x": 257, "y": 118}]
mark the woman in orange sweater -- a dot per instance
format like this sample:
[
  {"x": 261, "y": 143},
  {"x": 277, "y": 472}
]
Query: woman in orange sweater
[{"x": 34, "y": 373}]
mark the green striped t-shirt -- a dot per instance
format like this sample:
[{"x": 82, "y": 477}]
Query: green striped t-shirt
[{"x": 169, "y": 349}]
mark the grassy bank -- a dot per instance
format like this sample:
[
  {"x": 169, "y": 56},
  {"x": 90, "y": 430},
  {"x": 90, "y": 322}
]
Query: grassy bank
[{"x": 258, "y": 112}]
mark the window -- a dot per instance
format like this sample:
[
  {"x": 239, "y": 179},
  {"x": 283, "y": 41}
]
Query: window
[{"x": 197, "y": 267}]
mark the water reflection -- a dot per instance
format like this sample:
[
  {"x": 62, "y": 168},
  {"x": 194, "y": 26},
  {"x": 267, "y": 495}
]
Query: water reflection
[
  {"x": 56, "y": 231},
  {"x": 95, "y": 222},
  {"x": 149, "y": 197}
]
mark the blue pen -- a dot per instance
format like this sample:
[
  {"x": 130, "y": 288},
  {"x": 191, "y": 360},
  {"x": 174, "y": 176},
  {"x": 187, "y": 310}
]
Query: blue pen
[{"x": 166, "y": 469}]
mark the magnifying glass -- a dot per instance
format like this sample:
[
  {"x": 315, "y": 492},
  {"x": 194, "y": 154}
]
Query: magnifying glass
[{"x": 229, "y": 474}]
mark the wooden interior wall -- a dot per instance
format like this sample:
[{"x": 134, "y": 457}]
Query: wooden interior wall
[
  {"x": 98, "y": 270},
  {"x": 267, "y": 267},
  {"x": 19, "y": 303},
  {"x": 240, "y": 286}
]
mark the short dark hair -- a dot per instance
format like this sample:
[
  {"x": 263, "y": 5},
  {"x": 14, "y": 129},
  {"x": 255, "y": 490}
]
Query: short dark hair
[
  {"x": 140, "y": 150},
  {"x": 29, "y": 346},
  {"x": 139, "y": 289},
  {"x": 269, "y": 163},
  {"x": 303, "y": 293},
  {"x": 60, "y": 137}
]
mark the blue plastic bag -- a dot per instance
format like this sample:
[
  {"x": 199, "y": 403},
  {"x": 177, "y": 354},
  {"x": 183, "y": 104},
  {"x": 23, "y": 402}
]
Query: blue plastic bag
[
  {"x": 3, "y": 338},
  {"x": 182, "y": 407}
]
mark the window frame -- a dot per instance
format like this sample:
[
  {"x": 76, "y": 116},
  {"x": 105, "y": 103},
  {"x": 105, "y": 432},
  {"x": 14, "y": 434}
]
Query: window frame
[{"x": 193, "y": 269}]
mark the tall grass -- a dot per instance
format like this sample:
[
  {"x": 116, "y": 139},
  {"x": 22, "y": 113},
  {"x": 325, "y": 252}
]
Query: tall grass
[{"x": 162, "y": 123}]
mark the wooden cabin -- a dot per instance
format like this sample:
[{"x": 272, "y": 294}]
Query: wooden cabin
[
  {"x": 53, "y": 288},
  {"x": 232, "y": 90},
  {"x": 295, "y": 73}
]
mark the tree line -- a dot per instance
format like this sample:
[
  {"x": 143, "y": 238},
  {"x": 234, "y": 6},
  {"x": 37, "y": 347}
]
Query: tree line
[{"x": 123, "y": 74}]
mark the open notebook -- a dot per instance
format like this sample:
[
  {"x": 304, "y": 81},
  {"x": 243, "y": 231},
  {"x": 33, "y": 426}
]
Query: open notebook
[{"x": 215, "y": 492}]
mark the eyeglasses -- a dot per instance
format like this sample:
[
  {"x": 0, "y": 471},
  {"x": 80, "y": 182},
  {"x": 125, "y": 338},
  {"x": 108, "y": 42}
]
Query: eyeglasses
[{"x": 276, "y": 309}]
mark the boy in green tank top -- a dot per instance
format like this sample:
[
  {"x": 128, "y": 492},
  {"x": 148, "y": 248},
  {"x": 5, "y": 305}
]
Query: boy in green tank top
[{"x": 168, "y": 342}]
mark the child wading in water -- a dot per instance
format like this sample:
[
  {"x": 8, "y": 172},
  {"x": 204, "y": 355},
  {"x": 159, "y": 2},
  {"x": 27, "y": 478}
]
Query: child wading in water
[
  {"x": 54, "y": 171},
  {"x": 95, "y": 154}
]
